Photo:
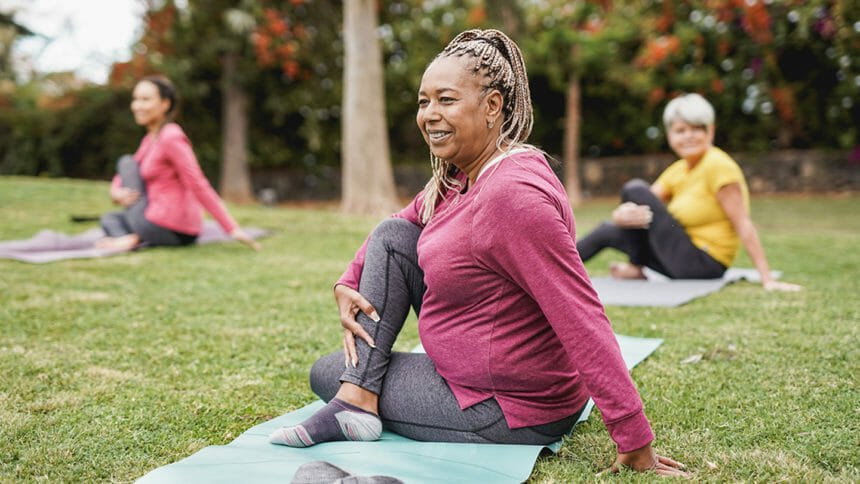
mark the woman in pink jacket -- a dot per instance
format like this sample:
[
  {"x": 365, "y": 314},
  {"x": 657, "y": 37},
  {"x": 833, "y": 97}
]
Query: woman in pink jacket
[
  {"x": 516, "y": 339},
  {"x": 162, "y": 186}
]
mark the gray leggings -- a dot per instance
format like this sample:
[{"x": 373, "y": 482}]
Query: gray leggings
[
  {"x": 414, "y": 400},
  {"x": 132, "y": 219},
  {"x": 664, "y": 246}
]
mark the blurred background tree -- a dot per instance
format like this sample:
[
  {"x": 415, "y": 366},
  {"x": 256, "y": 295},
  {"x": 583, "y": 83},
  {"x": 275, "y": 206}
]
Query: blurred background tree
[
  {"x": 780, "y": 73},
  {"x": 10, "y": 31},
  {"x": 368, "y": 181},
  {"x": 576, "y": 43}
]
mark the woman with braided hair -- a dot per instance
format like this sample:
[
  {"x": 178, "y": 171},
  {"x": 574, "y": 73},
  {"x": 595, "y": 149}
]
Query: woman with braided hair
[{"x": 516, "y": 339}]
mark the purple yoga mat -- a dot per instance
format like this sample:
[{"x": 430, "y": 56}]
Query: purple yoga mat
[{"x": 50, "y": 246}]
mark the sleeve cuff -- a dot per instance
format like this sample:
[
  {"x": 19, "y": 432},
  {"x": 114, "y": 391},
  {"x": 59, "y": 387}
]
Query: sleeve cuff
[{"x": 631, "y": 433}]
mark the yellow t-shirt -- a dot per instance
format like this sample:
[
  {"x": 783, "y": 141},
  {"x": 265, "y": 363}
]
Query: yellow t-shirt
[{"x": 693, "y": 202}]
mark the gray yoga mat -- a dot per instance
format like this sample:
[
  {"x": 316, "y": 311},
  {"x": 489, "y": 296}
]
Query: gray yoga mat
[
  {"x": 51, "y": 246},
  {"x": 658, "y": 290},
  {"x": 251, "y": 458}
]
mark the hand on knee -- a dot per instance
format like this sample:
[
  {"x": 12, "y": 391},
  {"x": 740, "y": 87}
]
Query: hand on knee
[{"x": 628, "y": 215}]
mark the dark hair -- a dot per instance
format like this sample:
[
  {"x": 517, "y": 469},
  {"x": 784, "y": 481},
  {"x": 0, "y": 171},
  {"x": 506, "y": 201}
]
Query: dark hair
[{"x": 166, "y": 90}]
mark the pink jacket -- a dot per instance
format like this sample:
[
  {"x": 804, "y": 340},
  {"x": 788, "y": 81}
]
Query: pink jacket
[
  {"x": 176, "y": 188},
  {"x": 509, "y": 311}
]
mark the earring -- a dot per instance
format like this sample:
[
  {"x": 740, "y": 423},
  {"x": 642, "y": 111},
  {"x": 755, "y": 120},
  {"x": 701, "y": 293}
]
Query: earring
[{"x": 490, "y": 125}]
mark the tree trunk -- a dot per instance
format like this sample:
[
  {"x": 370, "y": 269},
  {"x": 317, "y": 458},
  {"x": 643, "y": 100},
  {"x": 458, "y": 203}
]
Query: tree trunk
[
  {"x": 235, "y": 176},
  {"x": 571, "y": 142},
  {"x": 368, "y": 181}
]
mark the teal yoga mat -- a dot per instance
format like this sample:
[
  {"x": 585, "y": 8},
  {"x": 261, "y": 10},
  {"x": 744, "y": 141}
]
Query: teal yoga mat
[{"x": 251, "y": 458}]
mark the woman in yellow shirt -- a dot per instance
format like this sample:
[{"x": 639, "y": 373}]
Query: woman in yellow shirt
[{"x": 691, "y": 221}]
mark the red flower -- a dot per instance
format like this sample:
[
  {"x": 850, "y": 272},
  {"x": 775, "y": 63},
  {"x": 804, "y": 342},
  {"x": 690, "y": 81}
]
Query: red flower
[
  {"x": 477, "y": 16},
  {"x": 756, "y": 22},
  {"x": 657, "y": 50},
  {"x": 290, "y": 68},
  {"x": 783, "y": 98},
  {"x": 655, "y": 96},
  {"x": 285, "y": 51},
  {"x": 278, "y": 27},
  {"x": 718, "y": 86}
]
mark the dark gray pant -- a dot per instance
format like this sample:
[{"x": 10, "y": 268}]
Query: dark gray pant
[
  {"x": 664, "y": 246},
  {"x": 414, "y": 400},
  {"x": 132, "y": 219}
]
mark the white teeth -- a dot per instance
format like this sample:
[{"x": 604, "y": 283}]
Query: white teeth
[{"x": 435, "y": 136}]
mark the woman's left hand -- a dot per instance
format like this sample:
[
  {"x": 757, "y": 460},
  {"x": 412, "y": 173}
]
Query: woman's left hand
[
  {"x": 243, "y": 237},
  {"x": 629, "y": 215},
  {"x": 645, "y": 459},
  {"x": 773, "y": 285},
  {"x": 124, "y": 196}
]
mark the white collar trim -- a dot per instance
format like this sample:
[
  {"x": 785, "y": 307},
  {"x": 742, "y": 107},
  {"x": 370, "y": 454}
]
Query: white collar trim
[{"x": 499, "y": 158}]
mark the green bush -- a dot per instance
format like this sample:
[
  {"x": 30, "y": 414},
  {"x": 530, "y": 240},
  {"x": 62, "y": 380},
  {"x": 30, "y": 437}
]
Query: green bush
[{"x": 780, "y": 75}]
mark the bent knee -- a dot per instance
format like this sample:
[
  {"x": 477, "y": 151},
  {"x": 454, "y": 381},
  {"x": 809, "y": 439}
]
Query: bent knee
[
  {"x": 112, "y": 219},
  {"x": 325, "y": 375},
  {"x": 635, "y": 189},
  {"x": 392, "y": 226},
  {"x": 125, "y": 160},
  {"x": 395, "y": 232}
]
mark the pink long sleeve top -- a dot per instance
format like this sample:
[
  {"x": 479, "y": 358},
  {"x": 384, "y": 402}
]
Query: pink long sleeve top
[
  {"x": 176, "y": 188},
  {"x": 509, "y": 312}
]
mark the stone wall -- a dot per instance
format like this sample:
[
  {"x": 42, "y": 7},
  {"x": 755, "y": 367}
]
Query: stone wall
[
  {"x": 777, "y": 171},
  {"x": 284, "y": 184}
]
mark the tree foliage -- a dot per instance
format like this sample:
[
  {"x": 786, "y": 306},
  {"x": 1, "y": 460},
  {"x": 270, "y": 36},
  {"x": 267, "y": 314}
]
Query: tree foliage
[
  {"x": 289, "y": 57},
  {"x": 780, "y": 73},
  {"x": 776, "y": 71}
]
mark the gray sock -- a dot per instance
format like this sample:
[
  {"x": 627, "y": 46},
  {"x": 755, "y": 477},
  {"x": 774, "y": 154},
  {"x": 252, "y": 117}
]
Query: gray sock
[
  {"x": 322, "y": 472},
  {"x": 338, "y": 420}
]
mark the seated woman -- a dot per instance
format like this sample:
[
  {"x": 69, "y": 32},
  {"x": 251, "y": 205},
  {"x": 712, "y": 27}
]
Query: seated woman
[
  {"x": 690, "y": 222},
  {"x": 516, "y": 338},
  {"x": 162, "y": 186}
]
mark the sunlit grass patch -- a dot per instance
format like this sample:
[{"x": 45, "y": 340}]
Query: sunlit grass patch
[{"x": 112, "y": 367}]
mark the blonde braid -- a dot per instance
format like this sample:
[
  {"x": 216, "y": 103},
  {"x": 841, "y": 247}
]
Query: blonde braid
[{"x": 501, "y": 62}]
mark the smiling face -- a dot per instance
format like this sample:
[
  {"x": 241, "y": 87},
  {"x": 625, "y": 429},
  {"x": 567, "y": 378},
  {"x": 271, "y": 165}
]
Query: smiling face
[
  {"x": 690, "y": 142},
  {"x": 147, "y": 105},
  {"x": 454, "y": 111}
]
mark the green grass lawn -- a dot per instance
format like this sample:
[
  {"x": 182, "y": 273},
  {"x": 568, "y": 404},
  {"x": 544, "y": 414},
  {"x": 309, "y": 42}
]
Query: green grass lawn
[{"x": 111, "y": 367}]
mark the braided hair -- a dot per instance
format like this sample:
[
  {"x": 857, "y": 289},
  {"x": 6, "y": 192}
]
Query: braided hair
[{"x": 500, "y": 61}]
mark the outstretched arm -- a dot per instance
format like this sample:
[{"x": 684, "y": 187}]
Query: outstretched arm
[{"x": 731, "y": 200}]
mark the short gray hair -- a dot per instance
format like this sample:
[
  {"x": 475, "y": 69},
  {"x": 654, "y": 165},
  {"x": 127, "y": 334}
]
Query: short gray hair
[{"x": 691, "y": 108}]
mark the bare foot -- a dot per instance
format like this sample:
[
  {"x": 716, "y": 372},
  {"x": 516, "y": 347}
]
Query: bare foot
[
  {"x": 624, "y": 270},
  {"x": 126, "y": 242}
]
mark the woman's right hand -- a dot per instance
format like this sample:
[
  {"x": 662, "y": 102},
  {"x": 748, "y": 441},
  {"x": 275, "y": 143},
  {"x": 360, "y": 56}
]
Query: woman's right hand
[
  {"x": 645, "y": 460},
  {"x": 772, "y": 285},
  {"x": 349, "y": 303},
  {"x": 628, "y": 215},
  {"x": 243, "y": 237},
  {"x": 124, "y": 196}
]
